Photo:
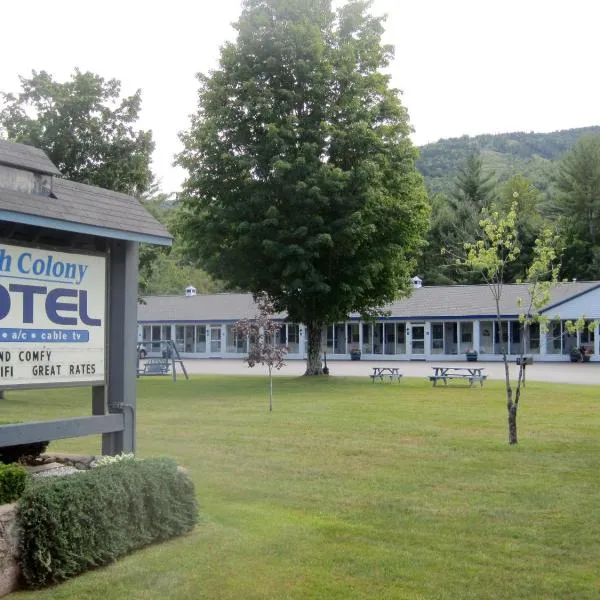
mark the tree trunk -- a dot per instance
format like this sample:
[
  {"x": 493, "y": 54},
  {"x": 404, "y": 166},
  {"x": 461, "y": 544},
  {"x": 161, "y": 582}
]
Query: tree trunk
[
  {"x": 512, "y": 423},
  {"x": 313, "y": 360},
  {"x": 270, "y": 389}
]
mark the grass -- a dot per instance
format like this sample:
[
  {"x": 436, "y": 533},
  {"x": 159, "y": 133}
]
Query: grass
[{"x": 353, "y": 490}]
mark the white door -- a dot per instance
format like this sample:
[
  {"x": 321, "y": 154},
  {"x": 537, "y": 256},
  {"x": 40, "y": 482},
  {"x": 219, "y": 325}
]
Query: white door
[
  {"x": 417, "y": 339},
  {"x": 215, "y": 340}
]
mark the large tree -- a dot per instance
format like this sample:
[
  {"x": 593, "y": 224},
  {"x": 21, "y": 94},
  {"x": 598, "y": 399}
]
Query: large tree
[
  {"x": 86, "y": 129},
  {"x": 302, "y": 179}
]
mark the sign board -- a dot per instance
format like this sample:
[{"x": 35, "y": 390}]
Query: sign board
[{"x": 52, "y": 317}]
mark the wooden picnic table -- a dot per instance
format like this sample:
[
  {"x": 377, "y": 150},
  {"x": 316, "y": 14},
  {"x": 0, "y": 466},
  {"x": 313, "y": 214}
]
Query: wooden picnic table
[
  {"x": 470, "y": 374},
  {"x": 382, "y": 373}
]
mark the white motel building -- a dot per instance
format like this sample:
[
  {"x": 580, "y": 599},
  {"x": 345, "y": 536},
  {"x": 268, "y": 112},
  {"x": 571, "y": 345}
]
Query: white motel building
[{"x": 433, "y": 323}]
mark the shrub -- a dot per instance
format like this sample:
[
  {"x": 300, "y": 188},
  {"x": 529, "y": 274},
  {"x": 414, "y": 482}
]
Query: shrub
[
  {"x": 12, "y": 482},
  {"x": 70, "y": 524},
  {"x": 102, "y": 461}
]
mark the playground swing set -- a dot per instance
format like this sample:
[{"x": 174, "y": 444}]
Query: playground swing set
[{"x": 160, "y": 365}]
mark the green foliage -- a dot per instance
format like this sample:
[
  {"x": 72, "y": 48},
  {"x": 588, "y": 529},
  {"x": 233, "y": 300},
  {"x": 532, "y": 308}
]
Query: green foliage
[
  {"x": 12, "y": 482},
  {"x": 165, "y": 270},
  {"x": 84, "y": 128},
  {"x": 529, "y": 154},
  {"x": 22, "y": 452},
  {"x": 576, "y": 205},
  {"x": 496, "y": 250},
  {"x": 71, "y": 524},
  {"x": 302, "y": 179}
]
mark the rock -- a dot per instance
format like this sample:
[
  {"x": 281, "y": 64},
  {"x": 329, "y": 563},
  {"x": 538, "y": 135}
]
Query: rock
[{"x": 9, "y": 570}]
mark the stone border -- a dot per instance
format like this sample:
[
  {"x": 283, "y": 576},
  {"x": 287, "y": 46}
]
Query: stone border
[
  {"x": 9, "y": 538},
  {"x": 9, "y": 534}
]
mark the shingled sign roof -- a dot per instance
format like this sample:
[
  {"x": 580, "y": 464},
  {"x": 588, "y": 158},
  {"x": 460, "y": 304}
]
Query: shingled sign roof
[
  {"x": 75, "y": 206},
  {"x": 26, "y": 157}
]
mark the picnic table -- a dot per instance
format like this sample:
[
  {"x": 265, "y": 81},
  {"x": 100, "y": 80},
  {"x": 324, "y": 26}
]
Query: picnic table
[
  {"x": 382, "y": 373},
  {"x": 470, "y": 374}
]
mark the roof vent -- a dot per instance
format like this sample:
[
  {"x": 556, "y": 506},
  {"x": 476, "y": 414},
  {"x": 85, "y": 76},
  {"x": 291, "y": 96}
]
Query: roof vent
[
  {"x": 190, "y": 290},
  {"x": 417, "y": 282}
]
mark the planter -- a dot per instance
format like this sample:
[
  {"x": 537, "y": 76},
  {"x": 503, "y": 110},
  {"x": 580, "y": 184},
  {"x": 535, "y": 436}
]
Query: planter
[
  {"x": 471, "y": 356},
  {"x": 527, "y": 360},
  {"x": 354, "y": 355}
]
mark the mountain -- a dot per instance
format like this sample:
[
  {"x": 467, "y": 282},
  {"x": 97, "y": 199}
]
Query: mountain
[{"x": 506, "y": 154}]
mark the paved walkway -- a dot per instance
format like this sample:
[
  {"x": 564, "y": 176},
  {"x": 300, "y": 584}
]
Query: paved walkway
[{"x": 563, "y": 372}]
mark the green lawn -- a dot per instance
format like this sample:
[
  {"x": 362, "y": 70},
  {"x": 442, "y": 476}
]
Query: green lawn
[{"x": 357, "y": 490}]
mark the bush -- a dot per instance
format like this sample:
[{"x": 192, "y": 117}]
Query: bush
[
  {"x": 70, "y": 524},
  {"x": 12, "y": 482}
]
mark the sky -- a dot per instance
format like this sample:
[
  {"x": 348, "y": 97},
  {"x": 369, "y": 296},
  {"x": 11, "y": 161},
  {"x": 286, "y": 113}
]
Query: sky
[{"x": 465, "y": 67}]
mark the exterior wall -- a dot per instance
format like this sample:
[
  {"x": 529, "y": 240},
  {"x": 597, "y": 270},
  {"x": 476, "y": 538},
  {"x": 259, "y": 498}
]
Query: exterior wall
[
  {"x": 390, "y": 339},
  {"x": 586, "y": 304}
]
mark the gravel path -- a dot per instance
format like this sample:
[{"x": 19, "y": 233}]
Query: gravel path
[{"x": 579, "y": 373}]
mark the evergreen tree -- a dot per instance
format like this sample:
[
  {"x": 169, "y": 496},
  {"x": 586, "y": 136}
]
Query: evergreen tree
[{"x": 577, "y": 206}]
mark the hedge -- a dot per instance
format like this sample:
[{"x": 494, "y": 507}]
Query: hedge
[
  {"x": 12, "y": 482},
  {"x": 87, "y": 519}
]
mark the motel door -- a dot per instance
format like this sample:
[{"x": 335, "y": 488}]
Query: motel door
[
  {"x": 215, "y": 340},
  {"x": 417, "y": 346}
]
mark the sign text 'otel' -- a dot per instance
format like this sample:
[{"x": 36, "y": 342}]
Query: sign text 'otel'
[{"x": 52, "y": 309}]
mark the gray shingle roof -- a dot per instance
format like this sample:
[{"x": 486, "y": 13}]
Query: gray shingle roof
[
  {"x": 208, "y": 307},
  {"x": 26, "y": 157},
  {"x": 76, "y": 206},
  {"x": 451, "y": 302},
  {"x": 94, "y": 205},
  {"x": 477, "y": 300}
]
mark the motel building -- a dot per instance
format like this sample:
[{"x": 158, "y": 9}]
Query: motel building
[{"x": 433, "y": 323}]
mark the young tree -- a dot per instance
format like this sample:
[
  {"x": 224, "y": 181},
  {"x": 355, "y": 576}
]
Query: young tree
[
  {"x": 84, "y": 128},
  {"x": 491, "y": 255},
  {"x": 302, "y": 178},
  {"x": 261, "y": 332}
]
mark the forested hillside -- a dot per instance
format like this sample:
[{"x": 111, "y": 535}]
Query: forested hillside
[
  {"x": 505, "y": 154},
  {"x": 555, "y": 178}
]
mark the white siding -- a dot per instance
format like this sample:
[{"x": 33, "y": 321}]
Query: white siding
[{"x": 587, "y": 305}]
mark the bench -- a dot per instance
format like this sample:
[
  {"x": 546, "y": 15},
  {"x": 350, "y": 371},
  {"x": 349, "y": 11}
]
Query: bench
[
  {"x": 464, "y": 376},
  {"x": 156, "y": 366},
  {"x": 382, "y": 373},
  {"x": 382, "y": 376}
]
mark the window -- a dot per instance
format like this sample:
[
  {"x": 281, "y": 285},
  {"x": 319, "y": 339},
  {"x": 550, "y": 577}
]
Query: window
[
  {"x": 437, "y": 338},
  {"x": 293, "y": 338},
  {"x": 486, "y": 341}
]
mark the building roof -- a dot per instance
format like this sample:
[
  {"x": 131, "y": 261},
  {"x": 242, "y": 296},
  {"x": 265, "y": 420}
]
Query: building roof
[
  {"x": 433, "y": 302},
  {"x": 477, "y": 300},
  {"x": 26, "y": 157},
  {"x": 75, "y": 206},
  {"x": 203, "y": 307}
]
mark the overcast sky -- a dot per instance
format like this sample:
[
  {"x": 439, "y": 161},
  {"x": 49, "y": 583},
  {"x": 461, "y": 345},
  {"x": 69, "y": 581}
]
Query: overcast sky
[{"x": 465, "y": 66}]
